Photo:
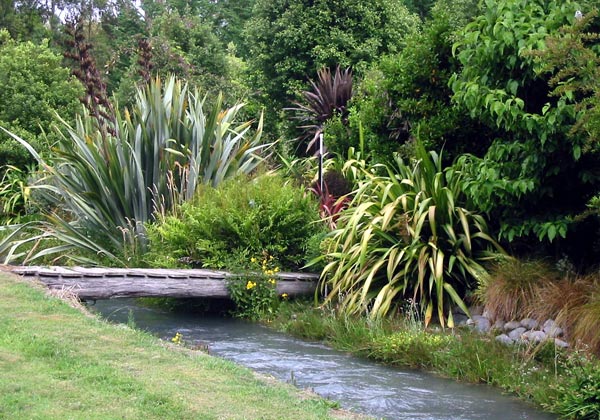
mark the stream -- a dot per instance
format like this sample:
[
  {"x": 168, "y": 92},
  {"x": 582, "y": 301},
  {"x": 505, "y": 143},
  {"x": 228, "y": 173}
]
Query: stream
[{"x": 358, "y": 385}]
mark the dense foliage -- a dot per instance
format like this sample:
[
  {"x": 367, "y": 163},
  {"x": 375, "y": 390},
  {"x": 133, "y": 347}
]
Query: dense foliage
[
  {"x": 407, "y": 92},
  {"x": 289, "y": 41},
  {"x": 35, "y": 86},
  {"x": 406, "y": 236},
  {"x": 228, "y": 226},
  {"x": 535, "y": 177},
  {"x": 103, "y": 188}
]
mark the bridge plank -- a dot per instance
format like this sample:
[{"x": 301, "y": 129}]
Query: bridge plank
[{"x": 105, "y": 283}]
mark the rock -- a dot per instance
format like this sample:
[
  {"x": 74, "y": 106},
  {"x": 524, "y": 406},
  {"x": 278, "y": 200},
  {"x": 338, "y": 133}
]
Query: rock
[
  {"x": 504, "y": 339},
  {"x": 548, "y": 324},
  {"x": 460, "y": 319},
  {"x": 498, "y": 325},
  {"x": 511, "y": 325},
  {"x": 516, "y": 333},
  {"x": 530, "y": 323},
  {"x": 482, "y": 324},
  {"x": 537, "y": 336},
  {"x": 555, "y": 332},
  {"x": 560, "y": 343},
  {"x": 552, "y": 329}
]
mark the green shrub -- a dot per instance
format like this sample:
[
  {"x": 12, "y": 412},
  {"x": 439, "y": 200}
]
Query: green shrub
[
  {"x": 414, "y": 348},
  {"x": 301, "y": 319},
  {"x": 254, "y": 293},
  {"x": 224, "y": 227}
]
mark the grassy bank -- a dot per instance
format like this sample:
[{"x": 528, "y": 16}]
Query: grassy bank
[
  {"x": 58, "y": 363},
  {"x": 565, "y": 382}
]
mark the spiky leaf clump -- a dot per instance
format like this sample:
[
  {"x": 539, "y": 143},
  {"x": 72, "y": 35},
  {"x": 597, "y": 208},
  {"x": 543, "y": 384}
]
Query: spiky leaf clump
[
  {"x": 329, "y": 97},
  {"x": 405, "y": 236},
  {"x": 103, "y": 188}
]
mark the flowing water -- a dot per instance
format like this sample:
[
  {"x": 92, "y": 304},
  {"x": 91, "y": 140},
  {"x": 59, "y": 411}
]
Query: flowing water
[{"x": 357, "y": 384}]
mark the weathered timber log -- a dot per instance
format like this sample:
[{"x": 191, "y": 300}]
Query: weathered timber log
[{"x": 105, "y": 283}]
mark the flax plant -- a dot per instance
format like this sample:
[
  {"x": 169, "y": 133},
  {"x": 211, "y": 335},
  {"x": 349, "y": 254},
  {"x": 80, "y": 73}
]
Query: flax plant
[
  {"x": 405, "y": 236},
  {"x": 103, "y": 188}
]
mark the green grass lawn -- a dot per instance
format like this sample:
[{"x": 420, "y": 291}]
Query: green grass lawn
[{"x": 58, "y": 363}]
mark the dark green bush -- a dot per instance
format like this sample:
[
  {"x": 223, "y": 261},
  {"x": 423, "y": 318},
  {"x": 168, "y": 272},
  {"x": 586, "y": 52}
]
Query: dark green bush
[
  {"x": 408, "y": 91},
  {"x": 244, "y": 218}
]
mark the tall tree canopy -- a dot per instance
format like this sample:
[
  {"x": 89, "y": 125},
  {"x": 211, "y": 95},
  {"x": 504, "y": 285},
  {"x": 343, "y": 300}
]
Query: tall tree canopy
[
  {"x": 35, "y": 87},
  {"x": 289, "y": 41}
]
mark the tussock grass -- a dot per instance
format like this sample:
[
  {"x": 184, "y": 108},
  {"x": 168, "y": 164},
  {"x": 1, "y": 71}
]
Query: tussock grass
[
  {"x": 56, "y": 363},
  {"x": 575, "y": 304},
  {"x": 585, "y": 325},
  {"x": 512, "y": 286}
]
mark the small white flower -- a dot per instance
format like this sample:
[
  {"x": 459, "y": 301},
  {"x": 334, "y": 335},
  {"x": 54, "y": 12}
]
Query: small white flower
[{"x": 578, "y": 15}]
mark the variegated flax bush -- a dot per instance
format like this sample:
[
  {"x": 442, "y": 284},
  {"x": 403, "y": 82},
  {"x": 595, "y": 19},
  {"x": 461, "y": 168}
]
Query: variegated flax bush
[
  {"x": 405, "y": 236},
  {"x": 103, "y": 188}
]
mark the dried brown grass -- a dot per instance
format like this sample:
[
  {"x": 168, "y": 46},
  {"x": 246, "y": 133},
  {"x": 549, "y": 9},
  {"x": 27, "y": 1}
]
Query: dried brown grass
[
  {"x": 559, "y": 297},
  {"x": 575, "y": 305},
  {"x": 513, "y": 286}
]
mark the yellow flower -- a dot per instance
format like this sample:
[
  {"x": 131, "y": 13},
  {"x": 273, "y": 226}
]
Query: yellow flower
[
  {"x": 252, "y": 260},
  {"x": 272, "y": 281},
  {"x": 276, "y": 269},
  {"x": 284, "y": 296},
  {"x": 250, "y": 285},
  {"x": 177, "y": 339}
]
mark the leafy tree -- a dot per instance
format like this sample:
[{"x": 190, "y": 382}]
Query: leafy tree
[
  {"x": 289, "y": 41},
  {"x": 123, "y": 31},
  {"x": 408, "y": 92},
  {"x": 25, "y": 20},
  {"x": 535, "y": 177},
  {"x": 34, "y": 88},
  {"x": 572, "y": 59},
  {"x": 227, "y": 18},
  {"x": 193, "y": 40},
  {"x": 422, "y": 7}
]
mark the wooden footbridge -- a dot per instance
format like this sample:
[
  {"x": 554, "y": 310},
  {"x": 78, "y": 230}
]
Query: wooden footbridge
[{"x": 105, "y": 283}]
